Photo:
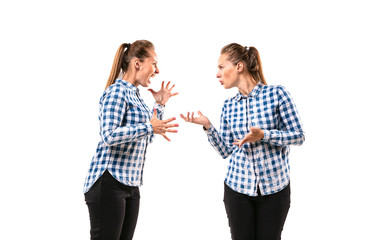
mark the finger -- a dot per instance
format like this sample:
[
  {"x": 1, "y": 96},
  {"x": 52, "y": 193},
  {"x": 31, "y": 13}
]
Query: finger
[
  {"x": 169, "y": 120},
  {"x": 168, "y": 84},
  {"x": 183, "y": 117},
  {"x": 162, "y": 84},
  {"x": 155, "y": 112},
  {"x": 172, "y": 87},
  {"x": 171, "y": 131},
  {"x": 239, "y": 144},
  {"x": 170, "y": 125},
  {"x": 246, "y": 139},
  {"x": 200, "y": 114},
  {"x": 174, "y": 94},
  {"x": 164, "y": 135},
  {"x": 188, "y": 117}
]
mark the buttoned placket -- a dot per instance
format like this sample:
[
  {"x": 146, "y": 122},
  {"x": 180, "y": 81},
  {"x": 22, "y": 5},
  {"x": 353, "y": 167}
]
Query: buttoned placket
[
  {"x": 142, "y": 103},
  {"x": 147, "y": 139},
  {"x": 252, "y": 150}
]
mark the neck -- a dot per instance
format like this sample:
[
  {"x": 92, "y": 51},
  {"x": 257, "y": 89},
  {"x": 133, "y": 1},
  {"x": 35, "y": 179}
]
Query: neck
[
  {"x": 246, "y": 84},
  {"x": 131, "y": 78}
]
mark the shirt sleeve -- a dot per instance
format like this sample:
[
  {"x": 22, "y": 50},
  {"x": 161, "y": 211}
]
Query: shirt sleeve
[
  {"x": 221, "y": 141},
  {"x": 291, "y": 132},
  {"x": 160, "y": 112},
  {"x": 113, "y": 109}
]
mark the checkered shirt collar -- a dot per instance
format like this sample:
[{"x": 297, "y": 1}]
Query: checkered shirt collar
[
  {"x": 252, "y": 94},
  {"x": 127, "y": 85}
]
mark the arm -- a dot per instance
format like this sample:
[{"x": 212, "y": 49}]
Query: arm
[
  {"x": 222, "y": 141},
  {"x": 160, "y": 112},
  {"x": 291, "y": 127},
  {"x": 113, "y": 110}
]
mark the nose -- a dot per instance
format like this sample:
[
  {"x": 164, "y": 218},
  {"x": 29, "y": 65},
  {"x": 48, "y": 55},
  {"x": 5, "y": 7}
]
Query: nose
[
  {"x": 156, "y": 70},
  {"x": 219, "y": 75}
]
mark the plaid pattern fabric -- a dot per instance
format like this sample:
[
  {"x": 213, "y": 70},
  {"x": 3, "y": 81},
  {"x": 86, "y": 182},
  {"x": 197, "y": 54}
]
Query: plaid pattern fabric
[
  {"x": 125, "y": 132},
  {"x": 265, "y": 163}
]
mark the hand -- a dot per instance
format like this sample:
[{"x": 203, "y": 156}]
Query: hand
[
  {"x": 161, "y": 126},
  {"x": 254, "y": 135},
  {"x": 201, "y": 120},
  {"x": 162, "y": 96}
]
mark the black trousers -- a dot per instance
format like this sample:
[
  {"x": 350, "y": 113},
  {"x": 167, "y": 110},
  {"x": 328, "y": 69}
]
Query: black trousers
[
  {"x": 256, "y": 218},
  {"x": 113, "y": 209}
]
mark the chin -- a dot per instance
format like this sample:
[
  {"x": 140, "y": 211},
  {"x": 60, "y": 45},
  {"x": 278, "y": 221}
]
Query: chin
[{"x": 146, "y": 84}]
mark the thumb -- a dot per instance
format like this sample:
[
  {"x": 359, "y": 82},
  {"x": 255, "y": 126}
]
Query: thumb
[
  {"x": 200, "y": 114},
  {"x": 151, "y": 90},
  {"x": 155, "y": 113}
]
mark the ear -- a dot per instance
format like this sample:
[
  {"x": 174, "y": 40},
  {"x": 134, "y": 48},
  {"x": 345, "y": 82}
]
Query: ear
[
  {"x": 239, "y": 67},
  {"x": 137, "y": 64}
]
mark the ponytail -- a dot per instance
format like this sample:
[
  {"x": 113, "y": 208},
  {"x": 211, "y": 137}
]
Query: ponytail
[
  {"x": 117, "y": 65},
  {"x": 254, "y": 66}
]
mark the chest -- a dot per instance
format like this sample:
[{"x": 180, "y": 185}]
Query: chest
[
  {"x": 136, "y": 111},
  {"x": 252, "y": 112}
]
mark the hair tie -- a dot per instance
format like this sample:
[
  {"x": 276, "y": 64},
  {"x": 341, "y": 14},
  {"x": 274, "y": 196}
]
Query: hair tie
[{"x": 128, "y": 46}]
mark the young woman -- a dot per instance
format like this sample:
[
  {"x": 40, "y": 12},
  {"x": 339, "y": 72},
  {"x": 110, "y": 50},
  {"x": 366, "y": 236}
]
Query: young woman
[
  {"x": 126, "y": 127},
  {"x": 257, "y": 127}
]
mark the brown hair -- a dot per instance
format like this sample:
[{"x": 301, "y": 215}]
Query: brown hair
[
  {"x": 139, "y": 49},
  {"x": 249, "y": 56}
]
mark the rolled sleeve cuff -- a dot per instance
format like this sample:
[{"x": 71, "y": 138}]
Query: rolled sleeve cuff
[
  {"x": 208, "y": 131},
  {"x": 159, "y": 107},
  {"x": 150, "y": 128},
  {"x": 266, "y": 137}
]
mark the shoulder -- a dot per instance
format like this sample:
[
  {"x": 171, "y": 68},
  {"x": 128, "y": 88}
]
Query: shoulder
[
  {"x": 114, "y": 92},
  {"x": 274, "y": 90},
  {"x": 230, "y": 101}
]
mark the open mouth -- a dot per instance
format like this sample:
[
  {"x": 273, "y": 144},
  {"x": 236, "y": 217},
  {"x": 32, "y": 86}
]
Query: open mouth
[{"x": 150, "y": 78}]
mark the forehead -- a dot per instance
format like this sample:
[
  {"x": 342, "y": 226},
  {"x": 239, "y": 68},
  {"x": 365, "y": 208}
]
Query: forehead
[
  {"x": 153, "y": 55},
  {"x": 223, "y": 58}
]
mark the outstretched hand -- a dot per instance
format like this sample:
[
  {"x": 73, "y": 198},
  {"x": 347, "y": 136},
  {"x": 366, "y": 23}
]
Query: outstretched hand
[
  {"x": 162, "y": 126},
  {"x": 254, "y": 135},
  {"x": 163, "y": 95},
  {"x": 201, "y": 119}
]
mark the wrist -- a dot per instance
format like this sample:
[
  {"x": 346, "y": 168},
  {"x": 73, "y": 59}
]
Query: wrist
[{"x": 207, "y": 126}]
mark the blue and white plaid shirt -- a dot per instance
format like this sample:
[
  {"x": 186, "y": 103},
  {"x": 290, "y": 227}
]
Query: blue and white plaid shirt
[
  {"x": 265, "y": 163},
  {"x": 125, "y": 132}
]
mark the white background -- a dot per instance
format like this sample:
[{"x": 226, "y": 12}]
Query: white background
[{"x": 56, "y": 57}]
